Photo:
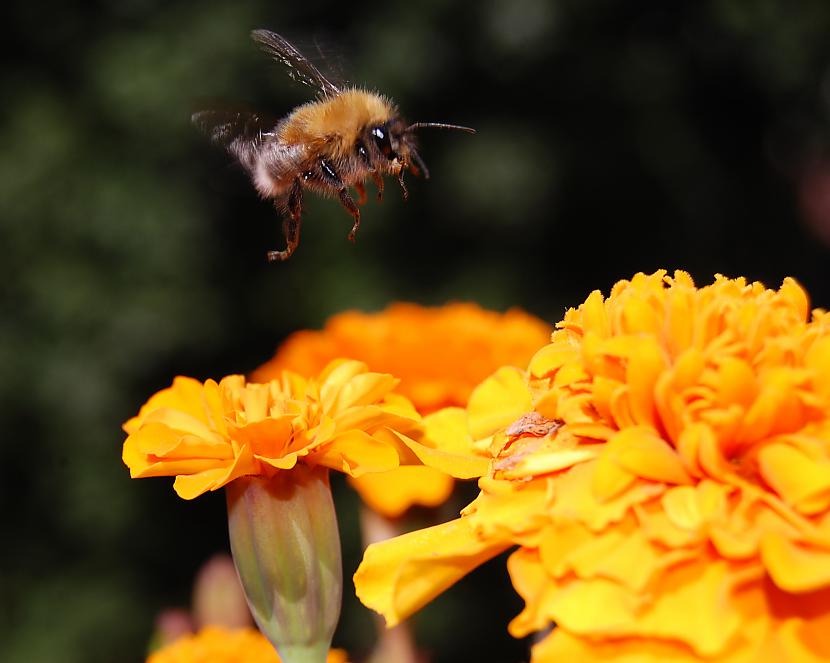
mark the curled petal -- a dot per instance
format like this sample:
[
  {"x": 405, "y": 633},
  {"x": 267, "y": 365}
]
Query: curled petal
[{"x": 401, "y": 575}]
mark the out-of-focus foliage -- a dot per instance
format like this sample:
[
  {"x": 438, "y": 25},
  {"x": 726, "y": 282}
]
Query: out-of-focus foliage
[{"x": 614, "y": 136}]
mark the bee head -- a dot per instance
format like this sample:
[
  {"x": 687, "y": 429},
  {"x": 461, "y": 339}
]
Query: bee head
[
  {"x": 393, "y": 145},
  {"x": 390, "y": 139}
]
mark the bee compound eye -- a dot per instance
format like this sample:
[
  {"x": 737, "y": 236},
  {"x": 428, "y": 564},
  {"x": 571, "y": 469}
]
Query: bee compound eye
[{"x": 381, "y": 137}]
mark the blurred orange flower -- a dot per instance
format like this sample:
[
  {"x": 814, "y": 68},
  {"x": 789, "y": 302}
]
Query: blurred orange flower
[
  {"x": 206, "y": 435},
  {"x": 440, "y": 354},
  {"x": 214, "y": 644},
  {"x": 669, "y": 490}
]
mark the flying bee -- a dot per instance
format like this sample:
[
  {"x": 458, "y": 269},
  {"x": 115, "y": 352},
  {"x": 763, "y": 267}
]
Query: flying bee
[{"x": 341, "y": 139}]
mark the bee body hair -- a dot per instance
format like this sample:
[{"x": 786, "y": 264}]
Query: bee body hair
[{"x": 333, "y": 124}]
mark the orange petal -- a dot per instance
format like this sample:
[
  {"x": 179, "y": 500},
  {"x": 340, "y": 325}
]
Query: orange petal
[
  {"x": 267, "y": 437},
  {"x": 399, "y": 576}
]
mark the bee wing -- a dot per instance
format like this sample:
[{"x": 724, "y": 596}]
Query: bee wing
[
  {"x": 299, "y": 67},
  {"x": 224, "y": 127},
  {"x": 241, "y": 133}
]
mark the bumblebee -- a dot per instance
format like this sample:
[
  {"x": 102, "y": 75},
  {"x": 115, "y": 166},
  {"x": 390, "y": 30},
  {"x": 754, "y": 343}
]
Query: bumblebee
[{"x": 336, "y": 142}]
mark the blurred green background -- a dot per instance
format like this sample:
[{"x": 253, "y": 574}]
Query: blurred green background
[{"x": 614, "y": 136}]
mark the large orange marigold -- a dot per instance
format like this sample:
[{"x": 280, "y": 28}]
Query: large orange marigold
[
  {"x": 439, "y": 353},
  {"x": 669, "y": 491}
]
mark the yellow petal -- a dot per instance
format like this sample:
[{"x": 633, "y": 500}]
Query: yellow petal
[
  {"x": 459, "y": 465},
  {"x": 639, "y": 452},
  {"x": 594, "y": 315},
  {"x": 371, "y": 417},
  {"x": 693, "y": 507},
  {"x": 576, "y": 499},
  {"x": 511, "y": 510},
  {"x": 392, "y": 493},
  {"x": 532, "y": 583},
  {"x": 604, "y": 608},
  {"x": 192, "y": 485},
  {"x": 360, "y": 390},
  {"x": 802, "y": 481},
  {"x": 561, "y": 646},
  {"x": 793, "y": 567},
  {"x": 178, "y": 420},
  {"x": 551, "y": 358},
  {"x": 184, "y": 394},
  {"x": 355, "y": 452},
  {"x": 818, "y": 359},
  {"x": 401, "y": 575},
  {"x": 541, "y": 461},
  {"x": 499, "y": 400},
  {"x": 167, "y": 444},
  {"x": 620, "y": 553},
  {"x": 448, "y": 429}
]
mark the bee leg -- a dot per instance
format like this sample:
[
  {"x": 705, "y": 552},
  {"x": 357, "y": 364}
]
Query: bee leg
[
  {"x": 378, "y": 180},
  {"x": 403, "y": 186},
  {"x": 330, "y": 175},
  {"x": 290, "y": 224},
  {"x": 361, "y": 192},
  {"x": 348, "y": 202}
]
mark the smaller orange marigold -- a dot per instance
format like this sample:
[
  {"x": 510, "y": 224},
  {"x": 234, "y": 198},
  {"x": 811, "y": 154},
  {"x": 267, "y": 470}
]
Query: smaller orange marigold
[
  {"x": 214, "y": 644},
  {"x": 206, "y": 435}
]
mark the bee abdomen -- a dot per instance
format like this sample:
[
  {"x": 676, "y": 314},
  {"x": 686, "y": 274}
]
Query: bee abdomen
[{"x": 275, "y": 166}]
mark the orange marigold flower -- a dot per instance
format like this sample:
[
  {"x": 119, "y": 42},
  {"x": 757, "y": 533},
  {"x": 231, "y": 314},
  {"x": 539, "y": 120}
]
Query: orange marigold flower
[
  {"x": 207, "y": 435},
  {"x": 214, "y": 644},
  {"x": 440, "y": 354},
  {"x": 669, "y": 490}
]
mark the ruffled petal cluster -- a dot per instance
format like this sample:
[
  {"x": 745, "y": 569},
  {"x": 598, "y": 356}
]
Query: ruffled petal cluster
[
  {"x": 668, "y": 489},
  {"x": 440, "y": 354},
  {"x": 206, "y": 435},
  {"x": 219, "y": 645}
]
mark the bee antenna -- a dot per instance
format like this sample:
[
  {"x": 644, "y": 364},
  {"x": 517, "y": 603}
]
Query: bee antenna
[{"x": 438, "y": 125}]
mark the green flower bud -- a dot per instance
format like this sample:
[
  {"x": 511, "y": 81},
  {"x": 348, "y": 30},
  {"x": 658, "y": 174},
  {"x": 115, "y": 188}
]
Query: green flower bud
[{"x": 286, "y": 548}]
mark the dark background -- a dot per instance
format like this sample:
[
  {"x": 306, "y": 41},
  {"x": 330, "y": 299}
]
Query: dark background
[{"x": 614, "y": 137}]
